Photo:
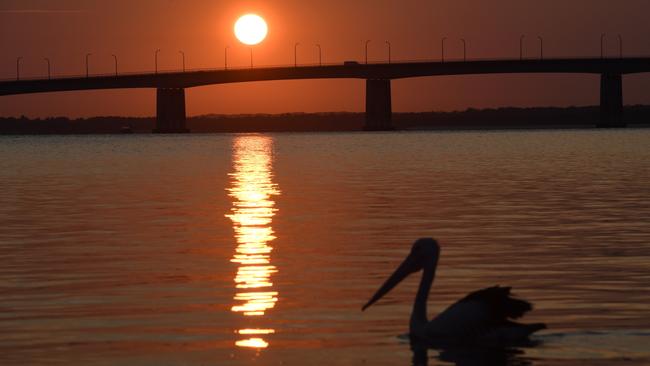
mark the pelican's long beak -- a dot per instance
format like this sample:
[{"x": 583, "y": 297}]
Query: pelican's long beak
[{"x": 406, "y": 268}]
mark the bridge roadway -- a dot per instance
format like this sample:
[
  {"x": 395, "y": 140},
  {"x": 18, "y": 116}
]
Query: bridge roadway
[{"x": 171, "y": 85}]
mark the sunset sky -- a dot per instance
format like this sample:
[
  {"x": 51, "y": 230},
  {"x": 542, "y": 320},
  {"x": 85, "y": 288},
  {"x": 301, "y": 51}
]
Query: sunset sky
[{"x": 65, "y": 30}]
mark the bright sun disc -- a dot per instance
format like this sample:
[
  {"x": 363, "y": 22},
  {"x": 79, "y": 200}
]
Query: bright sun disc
[{"x": 251, "y": 29}]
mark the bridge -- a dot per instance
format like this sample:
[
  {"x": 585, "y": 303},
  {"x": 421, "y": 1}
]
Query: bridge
[{"x": 170, "y": 109}]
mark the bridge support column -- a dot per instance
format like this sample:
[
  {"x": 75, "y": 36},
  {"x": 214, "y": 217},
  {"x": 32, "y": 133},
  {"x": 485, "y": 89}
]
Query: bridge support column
[
  {"x": 378, "y": 105},
  {"x": 170, "y": 111},
  {"x": 611, "y": 100}
]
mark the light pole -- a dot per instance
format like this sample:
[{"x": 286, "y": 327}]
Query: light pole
[
  {"x": 18, "y": 68},
  {"x": 156, "y": 61},
  {"x": 49, "y": 74},
  {"x": 295, "y": 54},
  {"x": 541, "y": 47},
  {"x": 183, "y": 55},
  {"x": 320, "y": 55},
  {"x": 388, "y": 43},
  {"x": 602, "y": 45},
  {"x": 115, "y": 59},
  {"x": 367, "y": 41},
  {"x": 442, "y": 54},
  {"x": 251, "y": 57},
  {"x": 521, "y": 47},
  {"x": 225, "y": 57},
  {"x": 464, "y": 49},
  {"x": 87, "y": 68},
  {"x": 620, "y": 46}
]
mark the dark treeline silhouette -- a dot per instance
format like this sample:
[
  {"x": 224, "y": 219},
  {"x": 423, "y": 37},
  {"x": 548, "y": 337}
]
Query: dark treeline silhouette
[{"x": 501, "y": 118}]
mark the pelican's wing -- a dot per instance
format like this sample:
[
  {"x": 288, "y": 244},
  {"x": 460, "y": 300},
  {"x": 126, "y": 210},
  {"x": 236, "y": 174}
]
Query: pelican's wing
[{"x": 478, "y": 314}]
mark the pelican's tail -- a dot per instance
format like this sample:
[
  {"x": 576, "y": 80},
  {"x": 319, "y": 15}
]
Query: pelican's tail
[
  {"x": 525, "y": 330},
  {"x": 532, "y": 328},
  {"x": 511, "y": 333}
]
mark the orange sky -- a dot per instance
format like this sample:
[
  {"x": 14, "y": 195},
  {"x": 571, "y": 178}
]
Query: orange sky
[{"x": 65, "y": 30}]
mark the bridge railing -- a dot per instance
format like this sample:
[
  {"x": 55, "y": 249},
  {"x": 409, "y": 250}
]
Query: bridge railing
[{"x": 300, "y": 65}]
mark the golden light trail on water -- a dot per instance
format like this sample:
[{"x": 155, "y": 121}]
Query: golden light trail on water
[
  {"x": 252, "y": 190},
  {"x": 253, "y": 343}
]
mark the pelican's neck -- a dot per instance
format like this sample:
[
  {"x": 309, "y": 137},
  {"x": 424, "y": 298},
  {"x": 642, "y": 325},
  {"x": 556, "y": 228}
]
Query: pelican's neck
[{"x": 419, "y": 314}]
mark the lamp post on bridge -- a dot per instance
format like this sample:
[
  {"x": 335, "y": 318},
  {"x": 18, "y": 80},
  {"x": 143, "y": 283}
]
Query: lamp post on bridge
[
  {"x": 442, "y": 57},
  {"x": 156, "y": 61},
  {"x": 320, "y": 55},
  {"x": 49, "y": 74},
  {"x": 367, "y": 41},
  {"x": 183, "y": 55},
  {"x": 521, "y": 47},
  {"x": 464, "y": 49},
  {"x": 87, "y": 67},
  {"x": 295, "y": 54},
  {"x": 251, "y": 57},
  {"x": 225, "y": 58},
  {"x": 115, "y": 59},
  {"x": 388, "y": 43},
  {"x": 541, "y": 47},
  {"x": 602, "y": 45},
  {"x": 18, "y": 68}
]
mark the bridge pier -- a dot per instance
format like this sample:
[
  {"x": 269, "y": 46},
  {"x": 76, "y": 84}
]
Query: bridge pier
[
  {"x": 170, "y": 111},
  {"x": 611, "y": 100},
  {"x": 378, "y": 105}
]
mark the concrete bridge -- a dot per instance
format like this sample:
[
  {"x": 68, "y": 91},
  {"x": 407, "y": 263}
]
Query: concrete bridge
[{"x": 171, "y": 85}]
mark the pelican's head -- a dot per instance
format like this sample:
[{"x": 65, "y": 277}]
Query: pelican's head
[{"x": 425, "y": 252}]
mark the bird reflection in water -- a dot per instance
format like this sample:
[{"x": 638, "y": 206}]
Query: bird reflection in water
[
  {"x": 252, "y": 191},
  {"x": 472, "y": 356}
]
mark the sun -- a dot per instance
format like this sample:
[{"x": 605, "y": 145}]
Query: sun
[{"x": 251, "y": 29}]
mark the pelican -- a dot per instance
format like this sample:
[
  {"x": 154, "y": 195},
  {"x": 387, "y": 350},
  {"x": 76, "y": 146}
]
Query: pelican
[{"x": 482, "y": 317}]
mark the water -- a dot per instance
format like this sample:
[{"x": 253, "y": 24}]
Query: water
[{"x": 261, "y": 249}]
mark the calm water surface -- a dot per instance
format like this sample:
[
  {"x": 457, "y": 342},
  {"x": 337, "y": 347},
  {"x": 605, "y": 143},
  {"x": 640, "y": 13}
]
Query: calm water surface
[{"x": 261, "y": 249}]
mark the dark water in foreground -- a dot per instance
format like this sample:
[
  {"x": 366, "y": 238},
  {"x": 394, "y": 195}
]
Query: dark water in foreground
[{"x": 261, "y": 249}]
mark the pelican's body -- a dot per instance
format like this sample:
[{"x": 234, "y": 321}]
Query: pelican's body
[{"x": 482, "y": 317}]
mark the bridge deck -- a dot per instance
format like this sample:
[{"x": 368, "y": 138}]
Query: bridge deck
[{"x": 342, "y": 71}]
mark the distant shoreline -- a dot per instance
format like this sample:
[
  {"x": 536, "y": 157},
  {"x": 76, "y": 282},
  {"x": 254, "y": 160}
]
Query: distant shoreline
[{"x": 470, "y": 119}]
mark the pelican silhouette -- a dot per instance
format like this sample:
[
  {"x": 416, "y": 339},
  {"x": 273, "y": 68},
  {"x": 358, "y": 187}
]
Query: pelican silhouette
[{"x": 482, "y": 317}]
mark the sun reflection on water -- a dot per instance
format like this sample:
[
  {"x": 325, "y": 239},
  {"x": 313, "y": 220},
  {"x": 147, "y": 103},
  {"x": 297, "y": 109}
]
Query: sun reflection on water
[{"x": 252, "y": 190}]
